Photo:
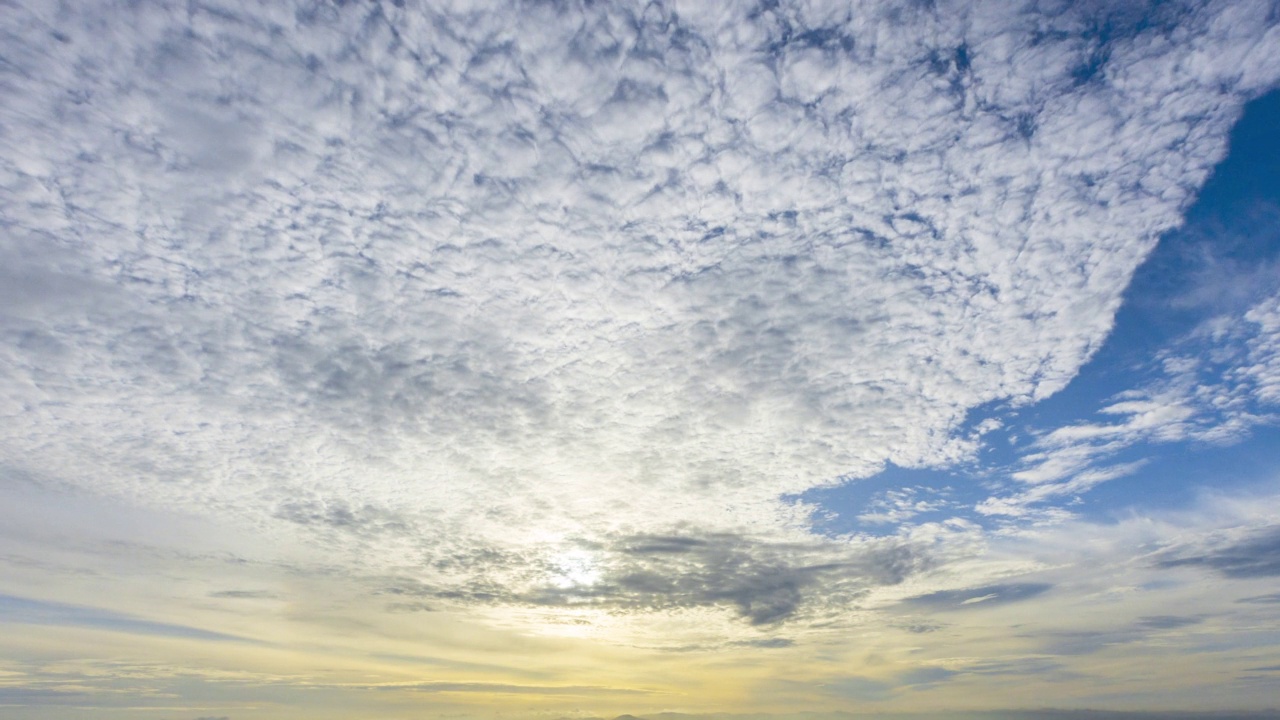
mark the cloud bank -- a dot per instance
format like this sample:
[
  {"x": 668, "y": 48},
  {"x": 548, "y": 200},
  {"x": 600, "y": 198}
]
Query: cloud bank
[{"x": 467, "y": 287}]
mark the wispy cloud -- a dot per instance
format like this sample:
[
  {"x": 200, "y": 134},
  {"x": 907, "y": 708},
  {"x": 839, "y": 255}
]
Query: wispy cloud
[
  {"x": 987, "y": 596},
  {"x": 1254, "y": 556},
  {"x": 243, "y": 595},
  {"x": 39, "y": 612},
  {"x": 1214, "y": 385}
]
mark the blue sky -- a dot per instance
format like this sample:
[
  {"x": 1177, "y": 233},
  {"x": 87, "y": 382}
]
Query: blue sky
[
  {"x": 1220, "y": 262},
  {"x": 519, "y": 359}
]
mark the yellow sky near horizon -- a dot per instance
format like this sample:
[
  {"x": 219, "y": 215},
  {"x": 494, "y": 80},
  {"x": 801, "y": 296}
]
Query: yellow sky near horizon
[{"x": 297, "y": 642}]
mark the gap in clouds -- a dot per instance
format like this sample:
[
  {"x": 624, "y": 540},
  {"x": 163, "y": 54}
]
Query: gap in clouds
[
  {"x": 1221, "y": 262},
  {"x": 1214, "y": 268}
]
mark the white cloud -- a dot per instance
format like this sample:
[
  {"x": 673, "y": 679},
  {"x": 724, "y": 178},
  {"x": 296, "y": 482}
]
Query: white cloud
[
  {"x": 1213, "y": 385},
  {"x": 1263, "y": 366},
  {"x": 444, "y": 281},
  {"x": 899, "y": 505}
]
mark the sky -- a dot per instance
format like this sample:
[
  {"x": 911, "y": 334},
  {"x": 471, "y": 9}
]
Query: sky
[{"x": 387, "y": 359}]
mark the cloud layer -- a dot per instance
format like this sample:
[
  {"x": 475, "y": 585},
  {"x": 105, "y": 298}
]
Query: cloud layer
[{"x": 479, "y": 286}]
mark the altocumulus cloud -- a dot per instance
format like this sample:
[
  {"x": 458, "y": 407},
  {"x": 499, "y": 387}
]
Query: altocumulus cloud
[
  {"x": 764, "y": 582},
  {"x": 479, "y": 284}
]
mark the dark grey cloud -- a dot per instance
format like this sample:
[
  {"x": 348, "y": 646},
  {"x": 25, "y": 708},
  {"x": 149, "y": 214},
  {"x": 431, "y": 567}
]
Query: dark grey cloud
[
  {"x": 972, "y": 598},
  {"x": 1257, "y": 556},
  {"x": 920, "y": 628},
  {"x": 1273, "y": 598},
  {"x": 1167, "y": 622},
  {"x": 762, "y": 581},
  {"x": 243, "y": 595}
]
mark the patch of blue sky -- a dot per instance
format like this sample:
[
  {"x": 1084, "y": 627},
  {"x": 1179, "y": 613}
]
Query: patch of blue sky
[
  {"x": 1176, "y": 474},
  {"x": 26, "y": 611},
  {"x": 1218, "y": 262},
  {"x": 1221, "y": 261},
  {"x": 880, "y": 504}
]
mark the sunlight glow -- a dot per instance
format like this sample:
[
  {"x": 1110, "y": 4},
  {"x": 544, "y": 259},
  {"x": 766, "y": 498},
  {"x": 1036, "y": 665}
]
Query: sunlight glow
[{"x": 574, "y": 568}]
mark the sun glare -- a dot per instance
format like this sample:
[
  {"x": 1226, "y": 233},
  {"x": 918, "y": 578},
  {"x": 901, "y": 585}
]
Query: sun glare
[{"x": 574, "y": 568}]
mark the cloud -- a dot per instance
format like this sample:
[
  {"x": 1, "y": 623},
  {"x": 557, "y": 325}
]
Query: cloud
[
  {"x": 42, "y": 696},
  {"x": 926, "y": 676},
  {"x": 1262, "y": 599},
  {"x": 764, "y": 584},
  {"x": 1214, "y": 384},
  {"x": 920, "y": 628},
  {"x": 1256, "y": 556},
  {"x": 337, "y": 514},
  {"x": 761, "y": 581},
  {"x": 1084, "y": 642},
  {"x": 896, "y": 506},
  {"x": 466, "y": 289},
  {"x": 38, "y": 612},
  {"x": 1031, "y": 665},
  {"x": 243, "y": 595},
  {"x": 985, "y": 596},
  {"x": 1167, "y": 622},
  {"x": 770, "y": 643},
  {"x": 763, "y": 643}
]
